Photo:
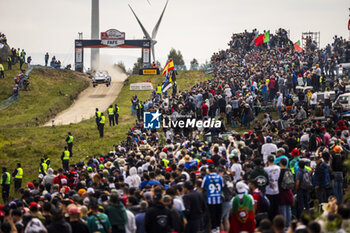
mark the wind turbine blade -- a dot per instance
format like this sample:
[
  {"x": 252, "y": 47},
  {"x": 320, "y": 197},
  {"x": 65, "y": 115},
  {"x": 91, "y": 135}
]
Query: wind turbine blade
[
  {"x": 149, "y": 2},
  {"x": 153, "y": 53},
  {"x": 155, "y": 29},
  {"x": 142, "y": 27}
]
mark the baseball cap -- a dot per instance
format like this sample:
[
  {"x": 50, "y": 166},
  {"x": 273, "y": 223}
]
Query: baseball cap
[
  {"x": 81, "y": 191},
  {"x": 47, "y": 196},
  {"x": 337, "y": 149},
  {"x": 73, "y": 210},
  {"x": 281, "y": 150},
  {"x": 268, "y": 139},
  {"x": 91, "y": 190},
  {"x": 242, "y": 187},
  {"x": 30, "y": 185},
  {"x": 33, "y": 206}
]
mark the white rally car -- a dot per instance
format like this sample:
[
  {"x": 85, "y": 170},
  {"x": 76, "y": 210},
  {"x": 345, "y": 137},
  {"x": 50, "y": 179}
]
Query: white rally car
[{"x": 101, "y": 78}]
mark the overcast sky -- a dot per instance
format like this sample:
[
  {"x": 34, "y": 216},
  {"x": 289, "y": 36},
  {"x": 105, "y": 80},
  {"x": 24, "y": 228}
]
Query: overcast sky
[{"x": 196, "y": 28}]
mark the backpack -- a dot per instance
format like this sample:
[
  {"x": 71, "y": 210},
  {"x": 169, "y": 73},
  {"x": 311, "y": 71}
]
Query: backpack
[
  {"x": 306, "y": 182},
  {"x": 288, "y": 180},
  {"x": 337, "y": 163},
  {"x": 264, "y": 203},
  {"x": 228, "y": 189}
]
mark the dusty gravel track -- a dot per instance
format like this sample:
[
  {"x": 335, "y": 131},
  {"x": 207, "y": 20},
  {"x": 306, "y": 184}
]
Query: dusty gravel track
[{"x": 84, "y": 107}]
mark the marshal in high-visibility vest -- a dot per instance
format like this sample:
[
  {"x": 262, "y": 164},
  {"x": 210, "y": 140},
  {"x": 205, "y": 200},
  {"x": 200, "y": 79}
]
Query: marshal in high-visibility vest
[
  {"x": 159, "y": 90},
  {"x": 1, "y": 67},
  {"x": 103, "y": 120},
  {"x": 19, "y": 174},
  {"x": 8, "y": 179},
  {"x": 44, "y": 165},
  {"x": 117, "y": 110},
  {"x": 110, "y": 111},
  {"x": 47, "y": 161},
  {"x": 98, "y": 114},
  {"x": 66, "y": 155},
  {"x": 70, "y": 139}
]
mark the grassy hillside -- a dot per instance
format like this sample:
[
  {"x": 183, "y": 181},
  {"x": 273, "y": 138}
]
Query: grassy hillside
[
  {"x": 28, "y": 144},
  {"x": 50, "y": 92}
]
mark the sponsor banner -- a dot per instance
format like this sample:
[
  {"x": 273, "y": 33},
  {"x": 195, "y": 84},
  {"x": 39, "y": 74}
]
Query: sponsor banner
[
  {"x": 112, "y": 43},
  {"x": 141, "y": 86},
  {"x": 112, "y": 38},
  {"x": 112, "y": 34},
  {"x": 78, "y": 55},
  {"x": 146, "y": 55},
  {"x": 149, "y": 71}
]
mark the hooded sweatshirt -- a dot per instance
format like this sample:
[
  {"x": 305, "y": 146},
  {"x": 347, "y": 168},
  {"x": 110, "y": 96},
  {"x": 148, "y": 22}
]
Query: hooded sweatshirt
[
  {"x": 117, "y": 215},
  {"x": 133, "y": 180},
  {"x": 48, "y": 178}
]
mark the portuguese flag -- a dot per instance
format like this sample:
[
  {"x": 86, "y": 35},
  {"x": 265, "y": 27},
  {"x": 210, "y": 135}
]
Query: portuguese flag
[
  {"x": 262, "y": 38},
  {"x": 297, "y": 46},
  {"x": 259, "y": 40}
]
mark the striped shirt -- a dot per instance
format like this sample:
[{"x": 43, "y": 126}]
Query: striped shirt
[{"x": 213, "y": 184}]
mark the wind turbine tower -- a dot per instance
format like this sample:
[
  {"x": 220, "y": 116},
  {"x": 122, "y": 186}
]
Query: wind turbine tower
[
  {"x": 154, "y": 31},
  {"x": 95, "y": 33}
]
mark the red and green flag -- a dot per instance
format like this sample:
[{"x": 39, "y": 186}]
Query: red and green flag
[
  {"x": 259, "y": 40},
  {"x": 297, "y": 46},
  {"x": 262, "y": 38},
  {"x": 267, "y": 36}
]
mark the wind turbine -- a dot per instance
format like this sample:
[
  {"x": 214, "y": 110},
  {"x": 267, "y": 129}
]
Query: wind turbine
[{"x": 154, "y": 31}]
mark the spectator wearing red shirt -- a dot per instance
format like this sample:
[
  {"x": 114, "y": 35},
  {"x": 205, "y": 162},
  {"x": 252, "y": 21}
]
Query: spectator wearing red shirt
[
  {"x": 205, "y": 110},
  {"x": 73, "y": 176},
  {"x": 60, "y": 179}
]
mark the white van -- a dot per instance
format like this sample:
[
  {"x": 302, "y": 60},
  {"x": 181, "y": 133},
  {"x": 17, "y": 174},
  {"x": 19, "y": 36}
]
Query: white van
[
  {"x": 344, "y": 100},
  {"x": 320, "y": 96}
]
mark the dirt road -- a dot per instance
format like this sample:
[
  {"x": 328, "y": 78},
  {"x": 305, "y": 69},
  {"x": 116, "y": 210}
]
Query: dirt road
[{"x": 84, "y": 107}]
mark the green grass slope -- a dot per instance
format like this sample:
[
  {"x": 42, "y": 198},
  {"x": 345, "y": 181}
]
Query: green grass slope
[{"x": 50, "y": 91}]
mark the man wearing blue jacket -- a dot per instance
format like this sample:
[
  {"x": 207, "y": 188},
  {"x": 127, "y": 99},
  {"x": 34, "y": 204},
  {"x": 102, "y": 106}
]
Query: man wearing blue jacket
[{"x": 321, "y": 180}]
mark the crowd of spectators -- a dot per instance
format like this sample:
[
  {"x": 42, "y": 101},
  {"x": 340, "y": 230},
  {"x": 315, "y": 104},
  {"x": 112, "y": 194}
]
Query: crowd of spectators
[
  {"x": 3, "y": 39},
  {"x": 279, "y": 175},
  {"x": 16, "y": 56}
]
